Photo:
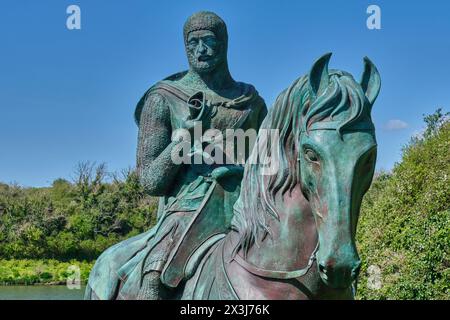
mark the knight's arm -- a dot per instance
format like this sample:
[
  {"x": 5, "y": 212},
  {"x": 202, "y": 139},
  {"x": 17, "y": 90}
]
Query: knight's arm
[{"x": 155, "y": 167}]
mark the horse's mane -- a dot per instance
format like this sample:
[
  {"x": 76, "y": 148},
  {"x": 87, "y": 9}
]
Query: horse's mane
[{"x": 292, "y": 114}]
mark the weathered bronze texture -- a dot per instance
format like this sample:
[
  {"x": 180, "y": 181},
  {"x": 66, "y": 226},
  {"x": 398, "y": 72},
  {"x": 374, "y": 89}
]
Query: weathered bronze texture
[
  {"x": 225, "y": 233},
  {"x": 207, "y": 95}
]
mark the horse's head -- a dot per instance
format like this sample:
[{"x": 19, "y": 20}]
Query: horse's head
[
  {"x": 322, "y": 139},
  {"x": 336, "y": 155}
]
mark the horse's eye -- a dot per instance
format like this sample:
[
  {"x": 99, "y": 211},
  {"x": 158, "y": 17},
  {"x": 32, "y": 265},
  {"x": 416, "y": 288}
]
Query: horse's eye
[{"x": 310, "y": 155}]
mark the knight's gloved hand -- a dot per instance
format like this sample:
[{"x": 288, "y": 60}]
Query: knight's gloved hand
[
  {"x": 199, "y": 110},
  {"x": 190, "y": 124}
]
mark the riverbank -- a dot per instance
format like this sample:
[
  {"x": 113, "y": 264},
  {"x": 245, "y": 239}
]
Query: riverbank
[
  {"x": 41, "y": 292},
  {"x": 43, "y": 272}
]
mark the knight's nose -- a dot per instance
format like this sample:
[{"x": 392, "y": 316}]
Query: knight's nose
[{"x": 201, "y": 49}]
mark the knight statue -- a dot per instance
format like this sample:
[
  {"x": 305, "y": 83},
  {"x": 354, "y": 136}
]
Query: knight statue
[{"x": 196, "y": 198}]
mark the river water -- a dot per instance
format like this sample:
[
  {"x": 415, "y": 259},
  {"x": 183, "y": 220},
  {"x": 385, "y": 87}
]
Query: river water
[{"x": 40, "y": 293}]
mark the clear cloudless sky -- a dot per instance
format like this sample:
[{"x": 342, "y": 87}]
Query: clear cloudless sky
[{"x": 68, "y": 95}]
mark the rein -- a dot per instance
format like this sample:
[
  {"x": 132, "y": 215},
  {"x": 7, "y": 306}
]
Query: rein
[{"x": 275, "y": 274}]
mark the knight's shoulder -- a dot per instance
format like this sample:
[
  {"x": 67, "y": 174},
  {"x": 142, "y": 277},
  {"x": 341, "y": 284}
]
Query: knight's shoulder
[
  {"x": 246, "y": 86},
  {"x": 250, "y": 90},
  {"x": 157, "y": 91},
  {"x": 164, "y": 88},
  {"x": 153, "y": 100}
]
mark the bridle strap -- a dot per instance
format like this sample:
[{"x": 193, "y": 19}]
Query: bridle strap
[
  {"x": 275, "y": 274},
  {"x": 333, "y": 125}
]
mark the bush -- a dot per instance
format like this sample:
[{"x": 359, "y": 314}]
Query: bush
[
  {"x": 73, "y": 220},
  {"x": 28, "y": 272},
  {"x": 405, "y": 218}
]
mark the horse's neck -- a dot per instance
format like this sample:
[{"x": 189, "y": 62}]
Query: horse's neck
[{"x": 293, "y": 237}]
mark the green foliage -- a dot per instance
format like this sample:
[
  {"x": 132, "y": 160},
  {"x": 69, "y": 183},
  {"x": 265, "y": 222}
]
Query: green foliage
[
  {"x": 405, "y": 221},
  {"x": 27, "y": 272},
  {"x": 73, "y": 220},
  {"x": 434, "y": 122}
]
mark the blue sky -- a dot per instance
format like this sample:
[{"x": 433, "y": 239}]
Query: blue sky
[{"x": 69, "y": 95}]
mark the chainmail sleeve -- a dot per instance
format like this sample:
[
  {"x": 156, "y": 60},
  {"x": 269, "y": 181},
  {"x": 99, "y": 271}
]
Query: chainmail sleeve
[{"x": 155, "y": 167}]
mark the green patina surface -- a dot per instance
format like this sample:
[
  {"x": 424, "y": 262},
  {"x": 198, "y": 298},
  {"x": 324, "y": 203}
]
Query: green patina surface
[
  {"x": 205, "y": 94},
  {"x": 304, "y": 212}
]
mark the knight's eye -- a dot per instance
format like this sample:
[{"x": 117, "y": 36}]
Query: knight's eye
[
  {"x": 209, "y": 40},
  {"x": 310, "y": 155},
  {"x": 192, "y": 43}
]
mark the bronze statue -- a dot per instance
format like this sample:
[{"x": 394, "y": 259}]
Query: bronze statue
[
  {"x": 289, "y": 234},
  {"x": 144, "y": 266},
  {"x": 293, "y": 232}
]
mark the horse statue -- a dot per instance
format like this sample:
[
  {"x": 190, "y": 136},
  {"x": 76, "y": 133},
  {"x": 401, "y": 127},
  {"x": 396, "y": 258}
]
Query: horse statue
[
  {"x": 292, "y": 235},
  {"x": 293, "y": 232}
]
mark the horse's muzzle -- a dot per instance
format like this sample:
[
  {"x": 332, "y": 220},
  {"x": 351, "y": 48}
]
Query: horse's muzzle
[{"x": 339, "y": 276}]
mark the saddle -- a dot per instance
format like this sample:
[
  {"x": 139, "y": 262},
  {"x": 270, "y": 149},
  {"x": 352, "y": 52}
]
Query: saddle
[{"x": 209, "y": 224}]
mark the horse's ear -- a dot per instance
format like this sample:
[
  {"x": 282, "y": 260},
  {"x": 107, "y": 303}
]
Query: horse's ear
[
  {"x": 318, "y": 76},
  {"x": 370, "y": 81}
]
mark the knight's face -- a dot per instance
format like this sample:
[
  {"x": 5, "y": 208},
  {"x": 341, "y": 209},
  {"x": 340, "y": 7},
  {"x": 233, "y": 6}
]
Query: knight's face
[{"x": 205, "y": 51}]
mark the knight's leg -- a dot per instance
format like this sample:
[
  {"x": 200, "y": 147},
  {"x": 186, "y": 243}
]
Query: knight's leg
[{"x": 151, "y": 286}]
